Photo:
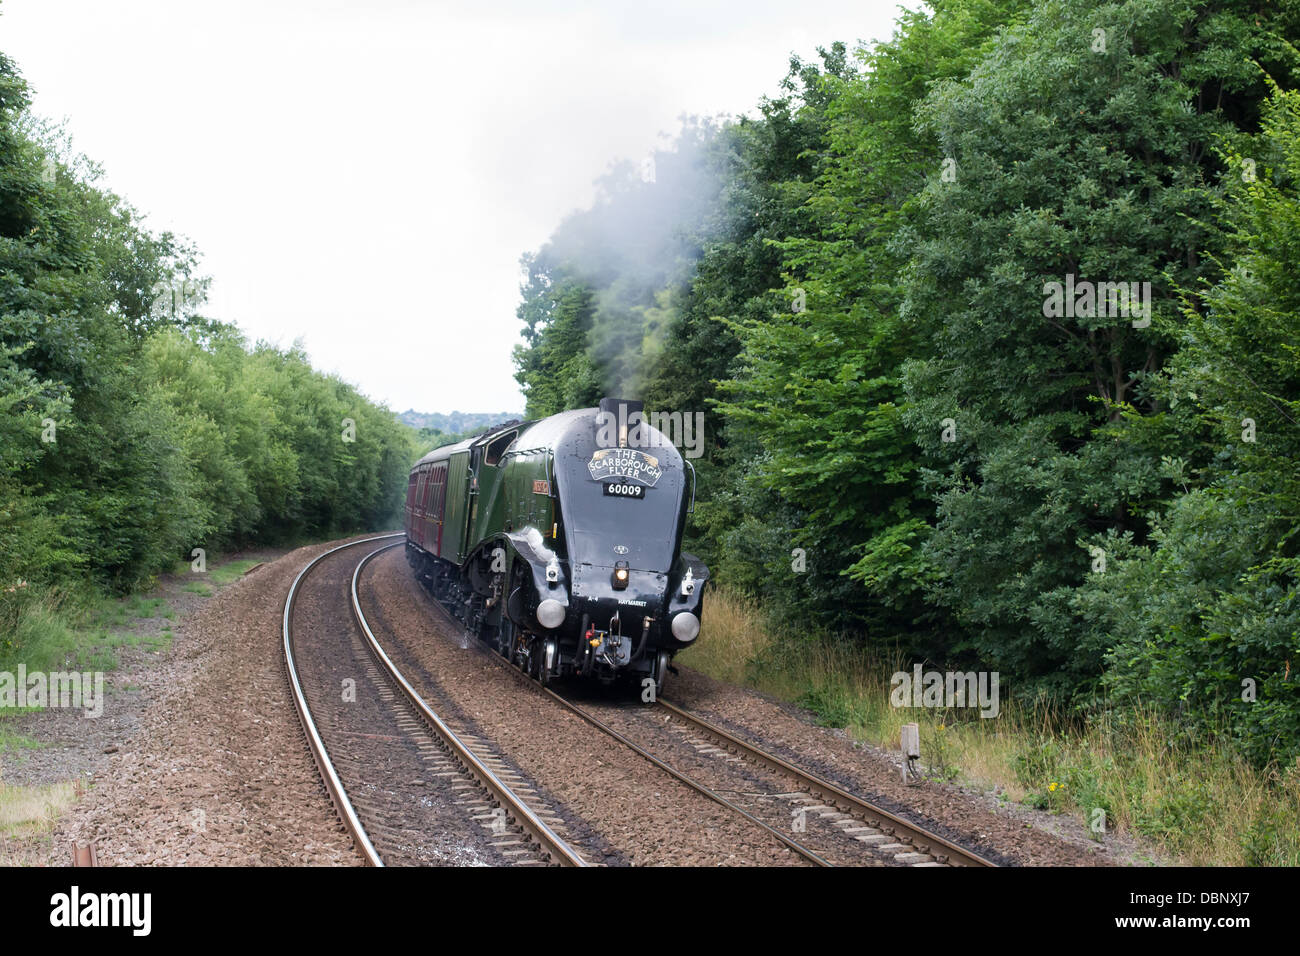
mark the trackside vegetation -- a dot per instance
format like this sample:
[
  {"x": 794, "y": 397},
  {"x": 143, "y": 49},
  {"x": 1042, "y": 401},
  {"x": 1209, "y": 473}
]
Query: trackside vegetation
[
  {"x": 1189, "y": 793},
  {"x": 132, "y": 429},
  {"x": 995, "y": 328}
]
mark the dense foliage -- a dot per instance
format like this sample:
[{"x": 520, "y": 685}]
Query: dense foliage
[
  {"x": 910, "y": 435},
  {"x": 131, "y": 429}
]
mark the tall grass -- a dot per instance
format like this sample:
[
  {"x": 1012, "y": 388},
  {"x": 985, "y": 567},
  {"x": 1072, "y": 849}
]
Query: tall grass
[
  {"x": 28, "y": 811},
  {"x": 1133, "y": 770},
  {"x": 44, "y": 636},
  {"x": 51, "y": 630}
]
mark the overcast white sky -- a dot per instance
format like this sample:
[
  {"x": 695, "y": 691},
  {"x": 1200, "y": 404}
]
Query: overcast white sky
[{"x": 365, "y": 175}]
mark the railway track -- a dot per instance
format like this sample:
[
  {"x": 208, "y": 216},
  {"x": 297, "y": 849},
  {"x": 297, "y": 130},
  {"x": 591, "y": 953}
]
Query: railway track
[
  {"x": 874, "y": 825},
  {"x": 851, "y": 828},
  {"x": 833, "y": 827},
  {"x": 395, "y": 752}
]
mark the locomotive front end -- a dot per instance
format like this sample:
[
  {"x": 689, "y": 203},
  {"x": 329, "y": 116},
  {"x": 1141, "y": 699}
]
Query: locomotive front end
[{"x": 633, "y": 598}]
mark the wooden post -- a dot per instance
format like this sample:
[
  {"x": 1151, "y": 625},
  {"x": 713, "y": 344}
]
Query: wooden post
[{"x": 910, "y": 745}]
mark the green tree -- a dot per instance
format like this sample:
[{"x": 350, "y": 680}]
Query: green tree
[
  {"x": 817, "y": 385},
  {"x": 1206, "y": 620},
  {"x": 555, "y": 370},
  {"x": 133, "y": 428},
  {"x": 1081, "y": 154}
]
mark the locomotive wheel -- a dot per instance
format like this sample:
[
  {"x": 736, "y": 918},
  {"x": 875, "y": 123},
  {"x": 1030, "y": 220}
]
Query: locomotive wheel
[
  {"x": 661, "y": 672},
  {"x": 543, "y": 674}
]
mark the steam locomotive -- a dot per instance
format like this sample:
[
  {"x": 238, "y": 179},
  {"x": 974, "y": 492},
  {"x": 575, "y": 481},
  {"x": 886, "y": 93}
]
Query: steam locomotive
[{"x": 558, "y": 542}]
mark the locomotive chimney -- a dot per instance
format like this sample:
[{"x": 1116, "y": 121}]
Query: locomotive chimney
[{"x": 619, "y": 411}]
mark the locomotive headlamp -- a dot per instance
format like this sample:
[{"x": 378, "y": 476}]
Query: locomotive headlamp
[
  {"x": 686, "y": 626},
  {"x": 550, "y": 613},
  {"x": 553, "y": 572},
  {"x": 619, "y": 577},
  {"x": 688, "y": 584}
]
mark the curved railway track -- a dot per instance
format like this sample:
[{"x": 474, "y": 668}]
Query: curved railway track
[
  {"x": 405, "y": 748},
  {"x": 836, "y": 799},
  {"x": 880, "y": 833},
  {"x": 854, "y": 821}
]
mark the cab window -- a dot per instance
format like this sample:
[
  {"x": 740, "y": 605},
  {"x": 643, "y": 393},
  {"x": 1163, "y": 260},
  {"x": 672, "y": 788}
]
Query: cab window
[{"x": 497, "y": 447}]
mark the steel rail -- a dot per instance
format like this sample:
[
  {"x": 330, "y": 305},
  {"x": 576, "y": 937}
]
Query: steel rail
[
  {"x": 923, "y": 839},
  {"x": 915, "y": 834},
  {"x": 551, "y": 842},
  {"x": 672, "y": 771},
  {"x": 333, "y": 785}
]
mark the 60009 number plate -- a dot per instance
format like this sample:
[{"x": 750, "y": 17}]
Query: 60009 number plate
[{"x": 618, "y": 489}]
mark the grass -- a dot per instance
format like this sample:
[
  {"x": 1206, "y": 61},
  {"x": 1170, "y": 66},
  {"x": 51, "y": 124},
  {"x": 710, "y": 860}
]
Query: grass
[
  {"x": 30, "y": 811},
  {"x": 219, "y": 575},
  {"x": 53, "y": 633},
  {"x": 44, "y": 638},
  {"x": 50, "y": 632},
  {"x": 12, "y": 740},
  {"x": 231, "y": 570},
  {"x": 1194, "y": 797}
]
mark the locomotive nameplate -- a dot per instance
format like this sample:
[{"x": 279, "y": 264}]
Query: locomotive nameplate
[{"x": 627, "y": 464}]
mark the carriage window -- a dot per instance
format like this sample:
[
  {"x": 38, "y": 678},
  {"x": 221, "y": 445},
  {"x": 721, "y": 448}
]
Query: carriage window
[{"x": 498, "y": 447}]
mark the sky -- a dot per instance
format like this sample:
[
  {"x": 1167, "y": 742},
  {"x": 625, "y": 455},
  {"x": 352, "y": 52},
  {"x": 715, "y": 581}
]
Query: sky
[{"x": 363, "y": 175}]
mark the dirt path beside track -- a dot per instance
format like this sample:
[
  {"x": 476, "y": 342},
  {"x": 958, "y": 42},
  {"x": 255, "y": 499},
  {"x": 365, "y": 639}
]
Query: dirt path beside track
[{"x": 202, "y": 760}]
